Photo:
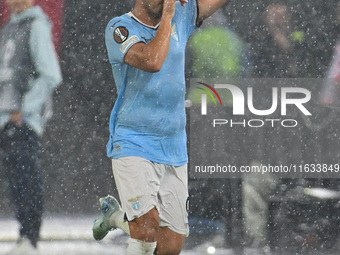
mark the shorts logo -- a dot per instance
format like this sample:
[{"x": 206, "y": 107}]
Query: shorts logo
[
  {"x": 135, "y": 202},
  {"x": 120, "y": 34},
  {"x": 136, "y": 206}
]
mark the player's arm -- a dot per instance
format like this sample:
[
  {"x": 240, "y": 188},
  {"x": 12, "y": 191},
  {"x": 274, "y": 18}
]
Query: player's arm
[
  {"x": 208, "y": 7},
  {"x": 151, "y": 57}
]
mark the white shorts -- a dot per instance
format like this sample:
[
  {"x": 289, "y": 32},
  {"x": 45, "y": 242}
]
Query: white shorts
[{"x": 143, "y": 185}]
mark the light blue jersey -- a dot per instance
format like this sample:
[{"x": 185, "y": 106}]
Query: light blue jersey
[{"x": 148, "y": 119}]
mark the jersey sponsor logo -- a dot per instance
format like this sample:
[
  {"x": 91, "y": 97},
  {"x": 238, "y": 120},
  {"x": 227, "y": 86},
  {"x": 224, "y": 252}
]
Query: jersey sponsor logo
[
  {"x": 132, "y": 40},
  {"x": 120, "y": 34}
]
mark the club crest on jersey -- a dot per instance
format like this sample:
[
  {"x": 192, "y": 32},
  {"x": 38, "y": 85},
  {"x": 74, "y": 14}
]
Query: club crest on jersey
[
  {"x": 120, "y": 34},
  {"x": 174, "y": 33}
]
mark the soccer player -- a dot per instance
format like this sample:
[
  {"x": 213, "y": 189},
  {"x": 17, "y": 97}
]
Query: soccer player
[{"x": 146, "y": 49}]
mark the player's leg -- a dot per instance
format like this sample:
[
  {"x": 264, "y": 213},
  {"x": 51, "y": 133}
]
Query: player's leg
[
  {"x": 169, "y": 242},
  {"x": 138, "y": 183},
  {"x": 145, "y": 227},
  {"x": 173, "y": 197},
  {"x": 144, "y": 230},
  {"x": 111, "y": 218}
]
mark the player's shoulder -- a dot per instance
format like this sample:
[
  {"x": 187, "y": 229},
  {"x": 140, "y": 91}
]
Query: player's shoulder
[
  {"x": 122, "y": 32},
  {"x": 123, "y": 20}
]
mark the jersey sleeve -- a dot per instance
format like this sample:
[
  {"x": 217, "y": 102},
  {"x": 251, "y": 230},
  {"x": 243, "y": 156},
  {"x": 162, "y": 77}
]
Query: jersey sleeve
[
  {"x": 190, "y": 14},
  {"x": 120, "y": 35}
]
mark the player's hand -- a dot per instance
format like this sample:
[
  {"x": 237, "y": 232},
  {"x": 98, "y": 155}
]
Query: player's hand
[
  {"x": 17, "y": 118},
  {"x": 183, "y": 2},
  {"x": 169, "y": 6}
]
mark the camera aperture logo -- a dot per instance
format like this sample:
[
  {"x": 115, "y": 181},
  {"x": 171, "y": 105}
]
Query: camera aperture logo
[
  {"x": 295, "y": 96},
  {"x": 204, "y": 96}
]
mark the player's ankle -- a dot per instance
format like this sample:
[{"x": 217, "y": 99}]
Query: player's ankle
[
  {"x": 136, "y": 246},
  {"x": 117, "y": 220}
]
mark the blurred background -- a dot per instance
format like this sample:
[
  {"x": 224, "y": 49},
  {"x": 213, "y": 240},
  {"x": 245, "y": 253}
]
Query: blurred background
[{"x": 256, "y": 39}]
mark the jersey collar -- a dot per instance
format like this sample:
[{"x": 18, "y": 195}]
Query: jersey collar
[{"x": 135, "y": 18}]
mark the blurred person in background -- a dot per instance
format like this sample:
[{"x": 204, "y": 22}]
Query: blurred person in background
[
  {"x": 214, "y": 51},
  {"x": 217, "y": 52},
  {"x": 281, "y": 51},
  {"x": 331, "y": 89},
  {"x": 29, "y": 73}
]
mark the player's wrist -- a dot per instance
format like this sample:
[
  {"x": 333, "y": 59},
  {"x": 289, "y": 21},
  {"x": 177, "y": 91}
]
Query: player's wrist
[
  {"x": 166, "y": 21},
  {"x": 166, "y": 16},
  {"x": 169, "y": 7}
]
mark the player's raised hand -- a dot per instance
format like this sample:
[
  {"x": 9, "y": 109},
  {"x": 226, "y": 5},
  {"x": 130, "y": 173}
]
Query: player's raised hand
[
  {"x": 183, "y": 2},
  {"x": 169, "y": 7}
]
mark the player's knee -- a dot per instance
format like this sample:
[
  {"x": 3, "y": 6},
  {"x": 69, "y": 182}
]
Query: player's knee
[
  {"x": 149, "y": 230},
  {"x": 169, "y": 242},
  {"x": 145, "y": 227},
  {"x": 172, "y": 248}
]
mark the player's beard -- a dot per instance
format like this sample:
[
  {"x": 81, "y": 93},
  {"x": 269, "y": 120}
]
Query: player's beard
[{"x": 155, "y": 12}]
